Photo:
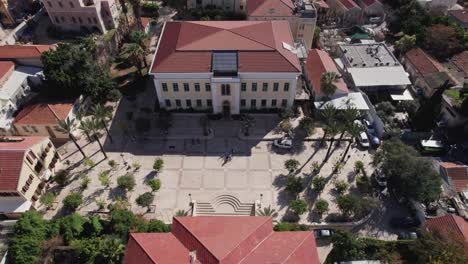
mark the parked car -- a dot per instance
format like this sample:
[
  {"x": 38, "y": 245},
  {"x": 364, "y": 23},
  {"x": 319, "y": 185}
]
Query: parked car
[
  {"x": 284, "y": 143},
  {"x": 431, "y": 147},
  {"x": 405, "y": 222},
  {"x": 363, "y": 140},
  {"x": 407, "y": 236},
  {"x": 324, "y": 233},
  {"x": 368, "y": 126},
  {"x": 380, "y": 178}
]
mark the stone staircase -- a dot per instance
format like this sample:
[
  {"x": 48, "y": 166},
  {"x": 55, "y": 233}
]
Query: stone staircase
[{"x": 224, "y": 204}]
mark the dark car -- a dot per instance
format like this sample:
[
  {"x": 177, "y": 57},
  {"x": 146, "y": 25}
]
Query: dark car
[
  {"x": 405, "y": 222},
  {"x": 324, "y": 233}
]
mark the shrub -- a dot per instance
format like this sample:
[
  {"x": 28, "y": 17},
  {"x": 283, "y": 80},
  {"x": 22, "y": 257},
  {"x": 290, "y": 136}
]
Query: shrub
[
  {"x": 145, "y": 200},
  {"x": 71, "y": 226},
  {"x": 298, "y": 206},
  {"x": 136, "y": 165},
  {"x": 101, "y": 204},
  {"x": 321, "y": 206},
  {"x": 85, "y": 180},
  {"x": 286, "y": 226},
  {"x": 286, "y": 126},
  {"x": 155, "y": 184},
  {"x": 294, "y": 185},
  {"x": 315, "y": 167},
  {"x": 318, "y": 184},
  {"x": 158, "y": 165},
  {"x": 126, "y": 182},
  {"x": 291, "y": 165},
  {"x": 73, "y": 201},
  {"x": 114, "y": 95},
  {"x": 88, "y": 162},
  {"x": 121, "y": 220},
  {"x": 112, "y": 164},
  {"x": 358, "y": 166},
  {"x": 61, "y": 177},
  {"x": 48, "y": 199},
  {"x": 104, "y": 178},
  {"x": 341, "y": 187},
  {"x": 363, "y": 184}
]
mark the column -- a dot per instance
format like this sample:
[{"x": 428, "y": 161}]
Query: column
[
  {"x": 214, "y": 97},
  {"x": 236, "y": 98},
  {"x": 157, "y": 86},
  {"x": 292, "y": 92}
]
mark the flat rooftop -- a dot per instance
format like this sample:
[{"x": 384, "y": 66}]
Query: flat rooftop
[{"x": 368, "y": 55}]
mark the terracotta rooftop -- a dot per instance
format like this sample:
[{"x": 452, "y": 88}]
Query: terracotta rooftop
[
  {"x": 222, "y": 239},
  {"x": 145, "y": 21},
  {"x": 44, "y": 113},
  {"x": 189, "y": 46},
  {"x": 11, "y": 160},
  {"x": 423, "y": 63},
  {"x": 450, "y": 227},
  {"x": 369, "y": 2},
  {"x": 349, "y": 4},
  {"x": 5, "y": 68},
  {"x": 460, "y": 15},
  {"x": 458, "y": 174},
  {"x": 461, "y": 61},
  {"x": 23, "y": 51},
  {"x": 319, "y": 62},
  {"x": 270, "y": 8}
]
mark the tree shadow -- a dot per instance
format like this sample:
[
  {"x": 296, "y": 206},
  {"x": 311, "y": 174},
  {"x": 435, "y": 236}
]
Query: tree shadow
[
  {"x": 280, "y": 181},
  {"x": 116, "y": 193},
  {"x": 91, "y": 198},
  {"x": 150, "y": 176}
]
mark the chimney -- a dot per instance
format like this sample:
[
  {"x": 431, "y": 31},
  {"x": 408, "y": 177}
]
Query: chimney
[{"x": 193, "y": 257}]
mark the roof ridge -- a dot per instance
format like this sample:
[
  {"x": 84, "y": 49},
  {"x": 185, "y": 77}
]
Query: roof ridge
[
  {"x": 249, "y": 38},
  {"x": 197, "y": 24},
  {"x": 454, "y": 219},
  {"x": 253, "y": 249},
  {"x": 302, "y": 242},
  {"x": 274, "y": 35},
  {"x": 53, "y": 112},
  {"x": 141, "y": 247}
]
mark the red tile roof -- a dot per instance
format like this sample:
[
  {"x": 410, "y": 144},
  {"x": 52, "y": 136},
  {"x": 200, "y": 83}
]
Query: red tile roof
[
  {"x": 188, "y": 46},
  {"x": 5, "y": 68},
  {"x": 270, "y": 8},
  {"x": 461, "y": 15},
  {"x": 369, "y": 2},
  {"x": 44, "y": 113},
  {"x": 319, "y": 62},
  {"x": 450, "y": 227},
  {"x": 423, "y": 63},
  {"x": 145, "y": 21},
  {"x": 11, "y": 161},
  {"x": 458, "y": 174},
  {"x": 461, "y": 61},
  {"x": 222, "y": 239},
  {"x": 349, "y": 4},
  {"x": 23, "y": 51}
]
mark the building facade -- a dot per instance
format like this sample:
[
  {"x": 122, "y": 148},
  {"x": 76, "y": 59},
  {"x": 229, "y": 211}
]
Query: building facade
[
  {"x": 225, "y": 67},
  {"x": 347, "y": 12},
  {"x": 27, "y": 164},
  {"x": 228, "y": 5},
  {"x": 94, "y": 15}
]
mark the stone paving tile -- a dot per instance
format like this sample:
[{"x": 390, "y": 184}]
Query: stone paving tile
[
  {"x": 169, "y": 178},
  {"x": 172, "y": 161},
  {"x": 191, "y": 179},
  {"x": 166, "y": 198},
  {"x": 193, "y": 162},
  {"x": 237, "y": 163},
  {"x": 259, "y": 161},
  {"x": 260, "y": 179},
  {"x": 236, "y": 179},
  {"x": 213, "y": 162},
  {"x": 260, "y": 146},
  {"x": 213, "y": 179}
]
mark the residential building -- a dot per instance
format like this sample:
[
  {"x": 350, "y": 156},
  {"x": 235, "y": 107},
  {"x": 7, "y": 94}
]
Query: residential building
[
  {"x": 301, "y": 15},
  {"x": 347, "y": 11},
  {"x": 461, "y": 17},
  {"x": 41, "y": 118},
  {"x": 229, "y": 5},
  {"x": 373, "y": 68},
  {"x": 318, "y": 63},
  {"x": 222, "y": 239},
  {"x": 449, "y": 227},
  {"x": 26, "y": 165},
  {"x": 373, "y": 10},
  {"x": 456, "y": 175},
  {"x": 226, "y": 66},
  {"x": 24, "y": 55},
  {"x": 452, "y": 114},
  {"x": 15, "y": 91},
  {"x": 426, "y": 73},
  {"x": 458, "y": 67},
  {"x": 93, "y": 15}
]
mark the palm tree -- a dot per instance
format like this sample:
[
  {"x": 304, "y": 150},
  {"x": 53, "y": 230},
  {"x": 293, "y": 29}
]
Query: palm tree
[
  {"x": 182, "y": 213},
  {"x": 67, "y": 127},
  {"x": 349, "y": 115},
  {"x": 139, "y": 37},
  {"x": 93, "y": 127},
  {"x": 102, "y": 114},
  {"x": 328, "y": 113},
  {"x": 133, "y": 54},
  {"x": 267, "y": 211},
  {"x": 84, "y": 126},
  {"x": 247, "y": 122},
  {"x": 331, "y": 130},
  {"x": 354, "y": 130},
  {"x": 136, "y": 7},
  {"x": 327, "y": 83}
]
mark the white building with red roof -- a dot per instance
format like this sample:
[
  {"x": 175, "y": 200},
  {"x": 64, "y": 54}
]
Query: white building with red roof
[
  {"x": 26, "y": 163},
  {"x": 347, "y": 11},
  {"x": 24, "y": 55},
  {"x": 226, "y": 66},
  {"x": 450, "y": 227},
  {"x": 222, "y": 239}
]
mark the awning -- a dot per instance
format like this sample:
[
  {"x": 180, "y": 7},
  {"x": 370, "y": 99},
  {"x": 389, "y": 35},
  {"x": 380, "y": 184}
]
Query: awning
[
  {"x": 405, "y": 96},
  {"x": 355, "y": 100},
  {"x": 14, "y": 205}
]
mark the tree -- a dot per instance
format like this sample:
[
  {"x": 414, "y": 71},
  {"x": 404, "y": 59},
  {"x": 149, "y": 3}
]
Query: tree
[
  {"x": 331, "y": 130},
  {"x": 145, "y": 200},
  {"x": 341, "y": 187},
  {"x": 136, "y": 7},
  {"x": 126, "y": 182},
  {"x": 123, "y": 6},
  {"x": 346, "y": 247},
  {"x": 348, "y": 115},
  {"x": 205, "y": 123},
  {"x": 442, "y": 41},
  {"x": 321, "y": 206},
  {"x": 85, "y": 180},
  {"x": 155, "y": 184},
  {"x": 291, "y": 165},
  {"x": 353, "y": 130},
  {"x": 48, "y": 199},
  {"x": 66, "y": 126},
  {"x": 247, "y": 121},
  {"x": 70, "y": 71},
  {"x": 61, "y": 177},
  {"x": 318, "y": 184},
  {"x": 307, "y": 124},
  {"x": 121, "y": 220},
  {"x": 299, "y": 206},
  {"x": 139, "y": 37},
  {"x": 105, "y": 249},
  {"x": 358, "y": 166},
  {"x": 434, "y": 249},
  {"x": 414, "y": 177},
  {"x": 92, "y": 127},
  {"x": 73, "y": 201},
  {"x": 267, "y": 211},
  {"x": 133, "y": 54},
  {"x": 327, "y": 83},
  {"x": 294, "y": 185},
  {"x": 406, "y": 43},
  {"x": 158, "y": 165},
  {"x": 286, "y": 127},
  {"x": 102, "y": 115},
  {"x": 348, "y": 204},
  {"x": 72, "y": 226},
  {"x": 328, "y": 114}
]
